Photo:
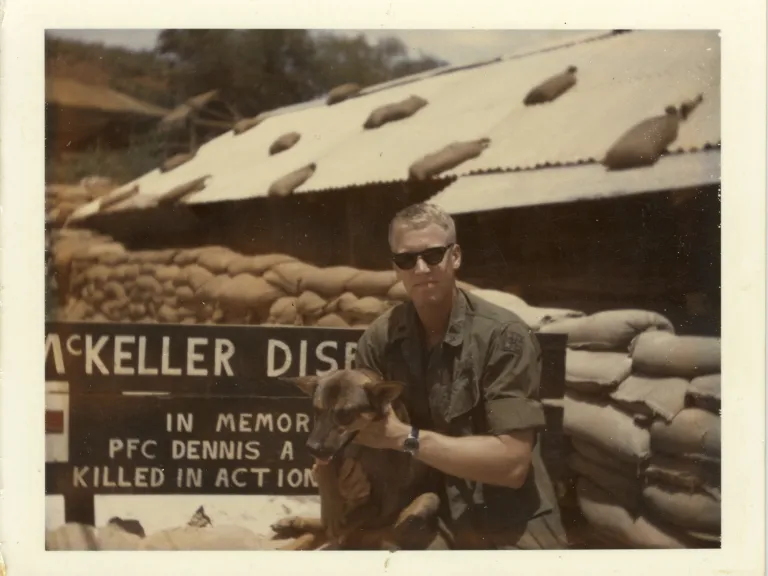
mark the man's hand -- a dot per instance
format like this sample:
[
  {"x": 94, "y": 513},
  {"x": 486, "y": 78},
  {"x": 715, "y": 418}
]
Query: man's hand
[{"x": 388, "y": 433}]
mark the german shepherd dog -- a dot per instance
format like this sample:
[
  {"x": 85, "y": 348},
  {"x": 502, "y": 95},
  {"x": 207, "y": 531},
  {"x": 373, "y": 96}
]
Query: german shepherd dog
[{"x": 369, "y": 499}]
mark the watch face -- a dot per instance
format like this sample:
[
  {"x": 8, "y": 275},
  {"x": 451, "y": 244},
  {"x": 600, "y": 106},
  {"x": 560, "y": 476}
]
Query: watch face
[{"x": 411, "y": 444}]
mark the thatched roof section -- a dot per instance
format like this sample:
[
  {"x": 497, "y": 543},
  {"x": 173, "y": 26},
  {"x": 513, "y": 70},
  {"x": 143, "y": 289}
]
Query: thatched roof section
[{"x": 68, "y": 93}]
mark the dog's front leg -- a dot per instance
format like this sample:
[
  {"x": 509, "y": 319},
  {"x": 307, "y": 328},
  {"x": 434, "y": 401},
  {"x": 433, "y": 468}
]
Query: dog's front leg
[{"x": 296, "y": 526}]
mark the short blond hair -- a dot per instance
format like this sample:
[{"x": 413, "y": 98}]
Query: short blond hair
[{"x": 421, "y": 215}]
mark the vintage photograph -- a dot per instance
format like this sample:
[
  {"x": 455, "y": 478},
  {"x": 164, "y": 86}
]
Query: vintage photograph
[{"x": 382, "y": 289}]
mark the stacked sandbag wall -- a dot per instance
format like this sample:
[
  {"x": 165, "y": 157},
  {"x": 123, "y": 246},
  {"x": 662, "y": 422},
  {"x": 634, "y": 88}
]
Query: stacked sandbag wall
[
  {"x": 61, "y": 200},
  {"x": 102, "y": 281},
  {"x": 642, "y": 411}
]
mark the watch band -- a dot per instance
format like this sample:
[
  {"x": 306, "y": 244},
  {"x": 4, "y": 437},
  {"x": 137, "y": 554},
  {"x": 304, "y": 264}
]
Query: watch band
[{"x": 411, "y": 444}]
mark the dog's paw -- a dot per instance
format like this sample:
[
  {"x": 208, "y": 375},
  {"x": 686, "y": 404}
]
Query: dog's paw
[{"x": 289, "y": 527}]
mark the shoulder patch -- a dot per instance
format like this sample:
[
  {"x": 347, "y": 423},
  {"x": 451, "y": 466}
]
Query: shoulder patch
[{"x": 512, "y": 342}]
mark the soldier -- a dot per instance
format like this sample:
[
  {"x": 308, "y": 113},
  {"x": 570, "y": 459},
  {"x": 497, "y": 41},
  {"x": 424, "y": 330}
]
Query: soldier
[{"x": 471, "y": 372}]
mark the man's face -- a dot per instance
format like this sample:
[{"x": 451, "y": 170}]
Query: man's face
[{"x": 425, "y": 281}]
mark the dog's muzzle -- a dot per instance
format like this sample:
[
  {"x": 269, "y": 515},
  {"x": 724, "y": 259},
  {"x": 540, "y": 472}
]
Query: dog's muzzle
[{"x": 322, "y": 458}]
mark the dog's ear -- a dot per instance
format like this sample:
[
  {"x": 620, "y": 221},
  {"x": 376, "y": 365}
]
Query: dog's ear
[
  {"x": 306, "y": 384},
  {"x": 384, "y": 392}
]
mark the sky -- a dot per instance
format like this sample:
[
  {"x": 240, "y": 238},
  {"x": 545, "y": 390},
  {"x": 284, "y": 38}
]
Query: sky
[{"x": 457, "y": 47}]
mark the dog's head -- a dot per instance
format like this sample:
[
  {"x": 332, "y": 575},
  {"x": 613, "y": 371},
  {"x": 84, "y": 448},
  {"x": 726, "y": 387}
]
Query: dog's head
[{"x": 344, "y": 402}]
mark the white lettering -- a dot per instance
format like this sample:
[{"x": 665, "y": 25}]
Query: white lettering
[
  {"x": 92, "y": 355},
  {"x": 303, "y": 358},
  {"x": 260, "y": 472},
  {"x": 227, "y": 421},
  {"x": 272, "y": 370},
  {"x": 302, "y": 423},
  {"x": 263, "y": 420},
  {"x": 287, "y": 451},
  {"x": 121, "y": 355},
  {"x": 193, "y": 357},
  {"x": 284, "y": 423},
  {"x": 115, "y": 445},
  {"x": 71, "y": 349},
  {"x": 78, "y": 473},
  {"x": 349, "y": 354},
  {"x": 53, "y": 343},
  {"x": 224, "y": 352},
  {"x": 235, "y": 474},
  {"x": 222, "y": 478},
  {"x": 166, "y": 369},
  {"x": 295, "y": 478},
  {"x": 144, "y": 370},
  {"x": 332, "y": 364}
]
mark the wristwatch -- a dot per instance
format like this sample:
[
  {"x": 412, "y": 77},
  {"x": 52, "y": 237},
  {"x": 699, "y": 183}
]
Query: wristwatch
[{"x": 411, "y": 443}]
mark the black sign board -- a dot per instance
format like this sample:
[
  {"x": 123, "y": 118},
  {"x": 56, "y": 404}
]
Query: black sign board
[{"x": 172, "y": 409}]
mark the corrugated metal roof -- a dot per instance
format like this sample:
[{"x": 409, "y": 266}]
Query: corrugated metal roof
[
  {"x": 621, "y": 79},
  {"x": 485, "y": 192}
]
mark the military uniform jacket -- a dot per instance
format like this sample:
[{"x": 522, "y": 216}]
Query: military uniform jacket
[{"x": 483, "y": 378}]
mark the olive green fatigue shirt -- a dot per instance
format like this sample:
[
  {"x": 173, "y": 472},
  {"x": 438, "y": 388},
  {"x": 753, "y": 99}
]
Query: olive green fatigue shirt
[{"x": 483, "y": 378}]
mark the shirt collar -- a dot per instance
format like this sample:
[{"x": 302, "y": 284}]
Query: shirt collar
[{"x": 408, "y": 326}]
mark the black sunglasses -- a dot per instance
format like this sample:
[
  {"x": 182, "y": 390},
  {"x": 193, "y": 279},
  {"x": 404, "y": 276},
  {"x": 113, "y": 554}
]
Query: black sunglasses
[{"x": 431, "y": 257}]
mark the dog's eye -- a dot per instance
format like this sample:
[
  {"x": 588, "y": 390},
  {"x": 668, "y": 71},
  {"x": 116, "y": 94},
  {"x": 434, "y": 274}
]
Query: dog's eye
[{"x": 344, "y": 417}]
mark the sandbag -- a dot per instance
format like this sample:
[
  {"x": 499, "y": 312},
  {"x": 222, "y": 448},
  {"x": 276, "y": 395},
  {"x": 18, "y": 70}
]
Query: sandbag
[
  {"x": 371, "y": 283},
  {"x": 285, "y": 185},
  {"x": 283, "y": 310},
  {"x": 154, "y": 256},
  {"x": 328, "y": 282},
  {"x": 176, "y": 161},
  {"x": 217, "y": 260},
  {"x": 364, "y": 310},
  {"x": 284, "y": 142},
  {"x": 644, "y": 143},
  {"x": 606, "y": 516},
  {"x": 344, "y": 92},
  {"x": 246, "y": 292},
  {"x": 183, "y": 190},
  {"x": 627, "y": 491},
  {"x": 663, "y": 354},
  {"x": 342, "y": 303},
  {"x": 288, "y": 276},
  {"x": 117, "y": 197},
  {"x": 690, "y": 510},
  {"x": 186, "y": 257},
  {"x": 98, "y": 274},
  {"x": 612, "y": 330},
  {"x": 394, "y": 112},
  {"x": 536, "y": 317},
  {"x": 310, "y": 304},
  {"x": 693, "y": 433},
  {"x": 704, "y": 392},
  {"x": 257, "y": 265},
  {"x": 331, "y": 321},
  {"x": 595, "y": 372},
  {"x": 211, "y": 291},
  {"x": 242, "y": 126},
  {"x": 605, "y": 459},
  {"x": 185, "y": 295},
  {"x": 167, "y": 314},
  {"x": 688, "y": 106},
  {"x": 602, "y": 424},
  {"x": 685, "y": 474},
  {"x": 195, "y": 275},
  {"x": 552, "y": 88},
  {"x": 649, "y": 397},
  {"x": 447, "y": 158},
  {"x": 115, "y": 291},
  {"x": 97, "y": 251},
  {"x": 167, "y": 273},
  {"x": 113, "y": 259},
  {"x": 149, "y": 284}
]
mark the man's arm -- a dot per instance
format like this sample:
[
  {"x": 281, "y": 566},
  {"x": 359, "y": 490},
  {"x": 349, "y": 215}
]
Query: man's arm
[{"x": 503, "y": 457}]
